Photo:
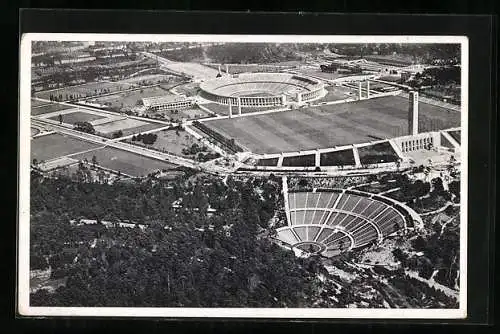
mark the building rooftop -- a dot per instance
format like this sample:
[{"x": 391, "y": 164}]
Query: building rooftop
[{"x": 159, "y": 100}]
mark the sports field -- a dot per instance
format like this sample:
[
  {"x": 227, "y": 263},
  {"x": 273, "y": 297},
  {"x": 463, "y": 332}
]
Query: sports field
[
  {"x": 56, "y": 145},
  {"x": 85, "y": 90},
  {"x": 148, "y": 79},
  {"x": 125, "y": 162},
  {"x": 127, "y": 100},
  {"x": 46, "y": 108},
  {"x": 77, "y": 116},
  {"x": 128, "y": 126},
  {"x": 328, "y": 125}
]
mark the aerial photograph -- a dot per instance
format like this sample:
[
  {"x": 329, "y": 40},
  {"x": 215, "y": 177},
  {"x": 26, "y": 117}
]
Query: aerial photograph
[{"x": 245, "y": 174}]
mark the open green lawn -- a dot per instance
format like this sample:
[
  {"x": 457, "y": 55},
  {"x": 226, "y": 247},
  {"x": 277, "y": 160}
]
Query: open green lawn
[
  {"x": 47, "y": 108},
  {"x": 89, "y": 89},
  {"x": 328, "y": 125},
  {"x": 78, "y": 116},
  {"x": 37, "y": 103},
  {"x": 56, "y": 145},
  {"x": 125, "y": 162},
  {"x": 169, "y": 141},
  {"x": 127, "y": 100}
]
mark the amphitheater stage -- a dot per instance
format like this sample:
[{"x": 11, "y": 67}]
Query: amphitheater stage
[{"x": 331, "y": 125}]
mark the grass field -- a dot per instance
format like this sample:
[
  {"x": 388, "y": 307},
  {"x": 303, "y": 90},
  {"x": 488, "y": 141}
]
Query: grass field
[
  {"x": 299, "y": 161},
  {"x": 455, "y": 135},
  {"x": 127, "y": 100},
  {"x": 224, "y": 110},
  {"x": 125, "y": 162},
  {"x": 190, "y": 113},
  {"x": 337, "y": 158},
  {"x": 37, "y": 103},
  {"x": 328, "y": 125},
  {"x": 45, "y": 109},
  {"x": 78, "y": 116},
  {"x": 89, "y": 89},
  {"x": 378, "y": 153},
  {"x": 169, "y": 141},
  {"x": 148, "y": 79},
  {"x": 55, "y": 145},
  {"x": 128, "y": 126},
  {"x": 268, "y": 162}
]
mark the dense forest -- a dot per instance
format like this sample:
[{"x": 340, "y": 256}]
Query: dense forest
[
  {"x": 251, "y": 53},
  {"x": 185, "y": 257}
]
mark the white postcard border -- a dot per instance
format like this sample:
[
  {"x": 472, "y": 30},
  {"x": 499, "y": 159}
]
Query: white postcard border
[{"x": 23, "y": 286}]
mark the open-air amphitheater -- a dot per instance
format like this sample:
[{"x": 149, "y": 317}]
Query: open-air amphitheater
[{"x": 332, "y": 221}]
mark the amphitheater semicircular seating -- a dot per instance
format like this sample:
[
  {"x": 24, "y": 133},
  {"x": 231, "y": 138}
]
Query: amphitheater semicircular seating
[{"x": 334, "y": 221}]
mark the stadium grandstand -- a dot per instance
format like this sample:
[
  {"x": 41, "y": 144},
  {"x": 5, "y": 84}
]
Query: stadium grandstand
[
  {"x": 332, "y": 221},
  {"x": 262, "y": 89}
]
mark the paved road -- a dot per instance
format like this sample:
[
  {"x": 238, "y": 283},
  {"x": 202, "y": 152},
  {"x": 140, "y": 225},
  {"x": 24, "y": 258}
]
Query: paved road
[{"x": 120, "y": 145}]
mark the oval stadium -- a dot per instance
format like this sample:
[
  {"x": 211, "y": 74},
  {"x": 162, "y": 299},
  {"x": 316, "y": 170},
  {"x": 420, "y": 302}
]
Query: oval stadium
[
  {"x": 262, "y": 89},
  {"x": 330, "y": 222}
]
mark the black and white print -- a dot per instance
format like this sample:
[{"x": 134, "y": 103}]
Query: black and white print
[{"x": 243, "y": 176}]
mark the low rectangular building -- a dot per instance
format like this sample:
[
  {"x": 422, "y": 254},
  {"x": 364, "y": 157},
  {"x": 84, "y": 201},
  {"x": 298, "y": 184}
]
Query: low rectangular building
[{"x": 167, "y": 102}]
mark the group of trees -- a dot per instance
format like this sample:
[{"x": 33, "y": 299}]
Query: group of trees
[
  {"x": 227, "y": 143},
  {"x": 117, "y": 134},
  {"x": 84, "y": 127},
  {"x": 444, "y": 75},
  {"x": 194, "y": 149},
  {"x": 147, "y": 138},
  {"x": 441, "y": 250}
]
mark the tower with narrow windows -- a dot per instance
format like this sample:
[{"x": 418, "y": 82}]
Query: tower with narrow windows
[{"x": 413, "y": 113}]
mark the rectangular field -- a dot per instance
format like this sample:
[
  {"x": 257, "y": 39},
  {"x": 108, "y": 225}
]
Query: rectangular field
[
  {"x": 190, "y": 113},
  {"x": 77, "y": 116},
  {"x": 127, "y": 126},
  {"x": 148, "y": 79},
  {"x": 56, "y": 145},
  {"x": 82, "y": 91},
  {"x": 37, "y": 103},
  {"x": 328, "y": 125},
  {"x": 127, "y": 100},
  {"x": 47, "y": 108},
  {"x": 125, "y": 162},
  {"x": 169, "y": 141}
]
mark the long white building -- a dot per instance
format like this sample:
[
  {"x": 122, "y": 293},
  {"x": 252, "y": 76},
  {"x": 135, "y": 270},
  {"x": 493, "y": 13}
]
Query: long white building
[{"x": 167, "y": 102}]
